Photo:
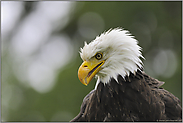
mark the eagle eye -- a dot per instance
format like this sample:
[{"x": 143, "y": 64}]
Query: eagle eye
[{"x": 98, "y": 56}]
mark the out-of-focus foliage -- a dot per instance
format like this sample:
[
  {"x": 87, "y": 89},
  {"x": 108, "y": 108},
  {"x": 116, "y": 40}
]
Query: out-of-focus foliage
[{"x": 41, "y": 40}]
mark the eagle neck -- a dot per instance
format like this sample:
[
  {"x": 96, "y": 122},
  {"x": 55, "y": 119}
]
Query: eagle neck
[
  {"x": 119, "y": 78},
  {"x": 98, "y": 81}
]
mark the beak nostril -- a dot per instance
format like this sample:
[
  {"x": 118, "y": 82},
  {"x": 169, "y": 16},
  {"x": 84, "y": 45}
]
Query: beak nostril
[{"x": 85, "y": 66}]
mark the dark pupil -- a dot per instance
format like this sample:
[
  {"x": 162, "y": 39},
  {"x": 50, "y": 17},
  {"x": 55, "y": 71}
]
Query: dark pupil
[{"x": 98, "y": 56}]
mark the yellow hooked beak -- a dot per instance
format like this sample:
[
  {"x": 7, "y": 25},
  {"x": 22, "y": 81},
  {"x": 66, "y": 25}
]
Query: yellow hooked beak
[{"x": 88, "y": 69}]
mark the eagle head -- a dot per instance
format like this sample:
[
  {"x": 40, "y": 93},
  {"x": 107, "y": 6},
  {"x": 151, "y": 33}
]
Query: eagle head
[{"x": 115, "y": 52}]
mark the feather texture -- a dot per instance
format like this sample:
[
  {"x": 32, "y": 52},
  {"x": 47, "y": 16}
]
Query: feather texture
[
  {"x": 120, "y": 52},
  {"x": 124, "y": 92},
  {"x": 139, "y": 100}
]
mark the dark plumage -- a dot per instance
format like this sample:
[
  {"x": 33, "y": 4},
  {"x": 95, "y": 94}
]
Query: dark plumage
[
  {"x": 137, "y": 98},
  {"x": 123, "y": 92}
]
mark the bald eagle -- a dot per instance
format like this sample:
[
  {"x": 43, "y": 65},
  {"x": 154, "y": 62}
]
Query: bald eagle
[{"x": 123, "y": 91}]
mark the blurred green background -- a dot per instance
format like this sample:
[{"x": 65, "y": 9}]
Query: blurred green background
[{"x": 40, "y": 44}]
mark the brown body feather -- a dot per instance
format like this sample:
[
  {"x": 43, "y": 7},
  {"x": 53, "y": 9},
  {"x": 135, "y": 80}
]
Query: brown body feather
[{"x": 137, "y": 98}]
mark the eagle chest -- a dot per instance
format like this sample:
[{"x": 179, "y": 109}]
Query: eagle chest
[{"x": 123, "y": 101}]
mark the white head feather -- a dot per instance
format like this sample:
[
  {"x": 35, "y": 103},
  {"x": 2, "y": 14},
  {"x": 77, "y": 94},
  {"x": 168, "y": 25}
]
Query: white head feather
[{"x": 120, "y": 50}]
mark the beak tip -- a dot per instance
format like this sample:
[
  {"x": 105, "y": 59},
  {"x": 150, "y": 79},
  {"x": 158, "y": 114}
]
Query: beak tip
[
  {"x": 83, "y": 82},
  {"x": 86, "y": 84}
]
